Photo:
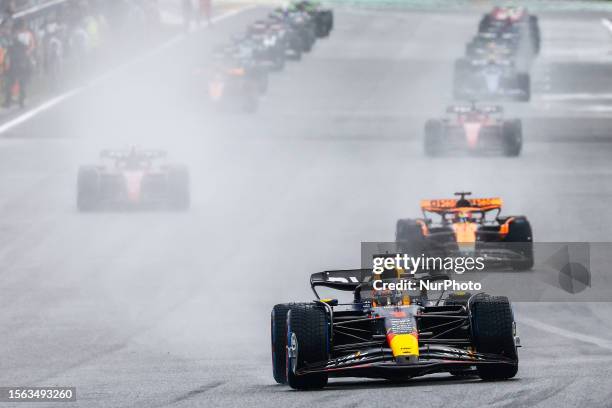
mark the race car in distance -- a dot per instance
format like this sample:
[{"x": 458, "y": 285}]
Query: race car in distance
[
  {"x": 473, "y": 129},
  {"x": 132, "y": 179},
  {"x": 269, "y": 48},
  {"x": 323, "y": 17},
  {"x": 300, "y": 23},
  {"x": 516, "y": 19},
  {"x": 490, "y": 78},
  {"x": 504, "y": 45},
  {"x": 286, "y": 35},
  {"x": 391, "y": 334},
  {"x": 235, "y": 79},
  {"x": 456, "y": 227}
]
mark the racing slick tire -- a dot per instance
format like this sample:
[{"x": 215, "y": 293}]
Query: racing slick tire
[
  {"x": 484, "y": 23},
  {"x": 524, "y": 84},
  {"x": 278, "y": 328},
  {"x": 493, "y": 332},
  {"x": 534, "y": 29},
  {"x": 325, "y": 22},
  {"x": 88, "y": 188},
  {"x": 308, "y": 343},
  {"x": 179, "y": 196},
  {"x": 330, "y": 22},
  {"x": 310, "y": 37},
  {"x": 409, "y": 237},
  {"x": 433, "y": 137},
  {"x": 521, "y": 238},
  {"x": 512, "y": 137}
]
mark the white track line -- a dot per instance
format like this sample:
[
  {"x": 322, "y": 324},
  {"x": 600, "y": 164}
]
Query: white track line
[
  {"x": 583, "y": 96},
  {"x": 607, "y": 24},
  {"x": 5, "y": 127},
  {"x": 536, "y": 324}
]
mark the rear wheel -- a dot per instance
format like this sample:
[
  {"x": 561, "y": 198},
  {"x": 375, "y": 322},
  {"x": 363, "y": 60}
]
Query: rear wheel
[
  {"x": 524, "y": 84},
  {"x": 308, "y": 343},
  {"x": 520, "y": 238},
  {"x": 278, "y": 328},
  {"x": 307, "y": 42},
  {"x": 493, "y": 331},
  {"x": 512, "y": 134},
  {"x": 534, "y": 33},
  {"x": 409, "y": 237},
  {"x": 484, "y": 23},
  {"x": 88, "y": 188}
]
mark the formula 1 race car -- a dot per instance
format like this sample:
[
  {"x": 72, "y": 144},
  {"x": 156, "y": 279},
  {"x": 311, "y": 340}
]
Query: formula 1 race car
[
  {"x": 515, "y": 19},
  {"x": 269, "y": 48},
  {"x": 490, "y": 78},
  {"x": 323, "y": 17},
  {"x": 285, "y": 35},
  {"x": 455, "y": 227},
  {"x": 503, "y": 45},
  {"x": 473, "y": 129},
  {"x": 301, "y": 24},
  {"x": 233, "y": 89},
  {"x": 235, "y": 79},
  {"x": 391, "y": 334},
  {"x": 132, "y": 179}
]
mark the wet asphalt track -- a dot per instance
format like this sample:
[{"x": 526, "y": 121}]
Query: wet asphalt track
[{"x": 152, "y": 309}]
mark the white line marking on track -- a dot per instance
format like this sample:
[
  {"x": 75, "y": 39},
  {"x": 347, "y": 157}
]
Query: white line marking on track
[
  {"x": 560, "y": 97},
  {"x": 536, "y": 324},
  {"x": 10, "y": 124},
  {"x": 607, "y": 24}
]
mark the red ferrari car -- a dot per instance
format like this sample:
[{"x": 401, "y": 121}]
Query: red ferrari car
[
  {"x": 473, "y": 129},
  {"x": 132, "y": 178}
]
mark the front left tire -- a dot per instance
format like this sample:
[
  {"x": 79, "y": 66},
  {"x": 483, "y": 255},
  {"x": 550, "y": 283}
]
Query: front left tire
[
  {"x": 307, "y": 343},
  {"x": 493, "y": 331}
]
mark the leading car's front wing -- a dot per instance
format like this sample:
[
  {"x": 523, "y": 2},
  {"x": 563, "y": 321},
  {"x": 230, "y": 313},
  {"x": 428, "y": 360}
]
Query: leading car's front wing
[{"x": 379, "y": 363}]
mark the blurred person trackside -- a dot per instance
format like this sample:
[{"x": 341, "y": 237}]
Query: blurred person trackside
[
  {"x": 45, "y": 49},
  {"x": 18, "y": 64}
]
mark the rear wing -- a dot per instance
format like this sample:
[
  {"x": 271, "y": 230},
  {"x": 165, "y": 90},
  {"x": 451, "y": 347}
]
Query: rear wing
[
  {"x": 346, "y": 280},
  {"x": 120, "y": 154},
  {"x": 462, "y": 109},
  {"x": 351, "y": 280},
  {"x": 494, "y": 59},
  {"x": 448, "y": 204}
]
